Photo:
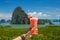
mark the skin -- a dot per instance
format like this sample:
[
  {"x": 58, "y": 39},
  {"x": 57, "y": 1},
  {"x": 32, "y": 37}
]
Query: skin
[{"x": 17, "y": 38}]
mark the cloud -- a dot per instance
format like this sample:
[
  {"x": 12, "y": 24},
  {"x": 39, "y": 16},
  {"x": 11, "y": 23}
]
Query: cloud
[
  {"x": 46, "y": 15},
  {"x": 39, "y": 14},
  {"x": 32, "y": 13},
  {"x": 5, "y": 16}
]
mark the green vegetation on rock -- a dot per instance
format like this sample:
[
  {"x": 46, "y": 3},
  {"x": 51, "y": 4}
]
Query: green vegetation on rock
[{"x": 19, "y": 16}]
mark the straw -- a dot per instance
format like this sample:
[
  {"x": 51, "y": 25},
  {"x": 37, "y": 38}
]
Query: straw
[{"x": 28, "y": 12}]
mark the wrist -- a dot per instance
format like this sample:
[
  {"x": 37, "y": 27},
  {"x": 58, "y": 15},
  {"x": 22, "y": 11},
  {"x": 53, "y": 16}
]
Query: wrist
[{"x": 23, "y": 37}]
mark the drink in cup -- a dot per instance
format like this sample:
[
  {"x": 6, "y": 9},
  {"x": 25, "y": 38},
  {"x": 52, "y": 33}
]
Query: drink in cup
[{"x": 33, "y": 24}]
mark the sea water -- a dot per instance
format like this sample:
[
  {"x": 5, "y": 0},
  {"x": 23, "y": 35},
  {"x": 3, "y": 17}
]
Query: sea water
[{"x": 28, "y": 25}]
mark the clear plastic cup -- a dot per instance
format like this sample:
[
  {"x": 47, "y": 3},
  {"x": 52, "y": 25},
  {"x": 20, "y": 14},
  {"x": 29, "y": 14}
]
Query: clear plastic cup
[{"x": 33, "y": 24}]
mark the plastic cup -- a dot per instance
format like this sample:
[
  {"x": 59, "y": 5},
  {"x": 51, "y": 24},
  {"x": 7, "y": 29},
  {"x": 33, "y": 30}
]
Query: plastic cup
[{"x": 33, "y": 24}]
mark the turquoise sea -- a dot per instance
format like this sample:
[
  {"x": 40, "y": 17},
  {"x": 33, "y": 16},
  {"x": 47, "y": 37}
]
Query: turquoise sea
[{"x": 28, "y": 25}]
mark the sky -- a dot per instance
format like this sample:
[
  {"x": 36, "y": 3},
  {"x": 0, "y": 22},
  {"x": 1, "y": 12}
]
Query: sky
[{"x": 42, "y": 9}]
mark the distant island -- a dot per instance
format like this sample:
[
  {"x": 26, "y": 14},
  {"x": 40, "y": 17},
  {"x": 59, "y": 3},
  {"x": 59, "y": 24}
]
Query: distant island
[{"x": 56, "y": 20}]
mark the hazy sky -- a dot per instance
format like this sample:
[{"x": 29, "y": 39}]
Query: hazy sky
[{"x": 39, "y": 8}]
